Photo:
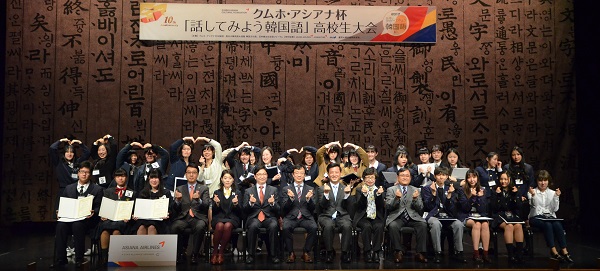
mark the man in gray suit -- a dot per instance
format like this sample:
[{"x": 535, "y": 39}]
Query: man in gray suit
[
  {"x": 332, "y": 201},
  {"x": 404, "y": 206},
  {"x": 191, "y": 211}
]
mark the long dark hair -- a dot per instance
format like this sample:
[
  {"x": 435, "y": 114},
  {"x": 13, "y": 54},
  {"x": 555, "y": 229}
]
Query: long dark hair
[
  {"x": 147, "y": 190},
  {"x": 467, "y": 187}
]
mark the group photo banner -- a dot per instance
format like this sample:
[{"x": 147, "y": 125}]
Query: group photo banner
[{"x": 287, "y": 23}]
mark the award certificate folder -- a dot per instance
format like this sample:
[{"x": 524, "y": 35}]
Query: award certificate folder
[
  {"x": 272, "y": 171},
  {"x": 390, "y": 177},
  {"x": 116, "y": 210},
  {"x": 77, "y": 209},
  {"x": 152, "y": 209},
  {"x": 459, "y": 172},
  {"x": 423, "y": 168},
  {"x": 179, "y": 181}
]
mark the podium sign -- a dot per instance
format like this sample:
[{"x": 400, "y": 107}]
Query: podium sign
[{"x": 142, "y": 250}]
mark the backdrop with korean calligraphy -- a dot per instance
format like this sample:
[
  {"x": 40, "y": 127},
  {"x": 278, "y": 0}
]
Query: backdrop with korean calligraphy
[{"x": 500, "y": 75}]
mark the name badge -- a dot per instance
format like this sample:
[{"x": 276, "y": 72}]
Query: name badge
[
  {"x": 519, "y": 181},
  {"x": 425, "y": 214},
  {"x": 102, "y": 180},
  {"x": 74, "y": 176},
  {"x": 242, "y": 178},
  {"x": 155, "y": 165},
  {"x": 96, "y": 172},
  {"x": 129, "y": 193},
  {"x": 491, "y": 183},
  {"x": 163, "y": 197},
  {"x": 307, "y": 178}
]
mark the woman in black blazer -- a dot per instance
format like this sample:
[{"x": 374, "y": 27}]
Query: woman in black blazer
[{"x": 226, "y": 214}]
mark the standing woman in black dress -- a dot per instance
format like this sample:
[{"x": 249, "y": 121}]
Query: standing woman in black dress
[
  {"x": 505, "y": 208},
  {"x": 104, "y": 153},
  {"x": 226, "y": 214},
  {"x": 154, "y": 190}
]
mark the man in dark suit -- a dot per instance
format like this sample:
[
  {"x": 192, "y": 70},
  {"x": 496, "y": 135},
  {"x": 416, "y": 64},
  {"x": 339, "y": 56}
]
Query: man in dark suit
[
  {"x": 369, "y": 215},
  {"x": 332, "y": 201},
  {"x": 82, "y": 188},
  {"x": 298, "y": 207},
  {"x": 405, "y": 206},
  {"x": 191, "y": 211},
  {"x": 261, "y": 204},
  {"x": 441, "y": 204}
]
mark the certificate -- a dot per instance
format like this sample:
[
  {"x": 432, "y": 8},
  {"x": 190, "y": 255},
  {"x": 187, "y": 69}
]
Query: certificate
[
  {"x": 153, "y": 209},
  {"x": 179, "y": 181},
  {"x": 390, "y": 177},
  {"x": 423, "y": 168},
  {"x": 116, "y": 210},
  {"x": 77, "y": 209},
  {"x": 460, "y": 173},
  {"x": 272, "y": 171}
]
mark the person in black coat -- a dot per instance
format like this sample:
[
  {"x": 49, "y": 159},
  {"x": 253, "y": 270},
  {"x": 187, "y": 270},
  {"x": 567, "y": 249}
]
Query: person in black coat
[
  {"x": 65, "y": 163},
  {"x": 154, "y": 190},
  {"x": 369, "y": 215},
  {"x": 226, "y": 214},
  {"x": 473, "y": 212},
  {"x": 104, "y": 153},
  {"x": 65, "y": 228},
  {"x": 298, "y": 206},
  {"x": 506, "y": 205},
  {"x": 107, "y": 227}
]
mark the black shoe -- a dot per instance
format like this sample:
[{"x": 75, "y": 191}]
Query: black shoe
[
  {"x": 194, "y": 259},
  {"x": 346, "y": 257},
  {"x": 438, "y": 257},
  {"x": 58, "y": 264},
  {"x": 557, "y": 257},
  {"x": 181, "y": 258},
  {"x": 249, "y": 259},
  {"x": 329, "y": 255},
  {"x": 568, "y": 258},
  {"x": 375, "y": 257},
  {"x": 458, "y": 257},
  {"x": 368, "y": 256},
  {"x": 79, "y": 263}
]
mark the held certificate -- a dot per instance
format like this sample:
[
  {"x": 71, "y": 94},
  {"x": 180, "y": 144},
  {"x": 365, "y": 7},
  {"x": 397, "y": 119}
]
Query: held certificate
[
  {"x": 153, "y": 209},
  {"x": 116, "y": 210},
  {"x": 74, "y": 209}
]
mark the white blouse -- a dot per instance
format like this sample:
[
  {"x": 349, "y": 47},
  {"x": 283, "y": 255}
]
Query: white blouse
[{"x": 543, "y": 202}]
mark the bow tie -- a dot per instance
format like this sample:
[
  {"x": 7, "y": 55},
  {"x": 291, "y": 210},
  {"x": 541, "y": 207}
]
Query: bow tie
[{"x": 119, "y": 189}]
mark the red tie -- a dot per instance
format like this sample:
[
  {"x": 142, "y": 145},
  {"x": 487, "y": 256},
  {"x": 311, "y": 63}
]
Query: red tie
[
  {"x": 191, "y": 195},
  {"x": 261, "y": 196}
]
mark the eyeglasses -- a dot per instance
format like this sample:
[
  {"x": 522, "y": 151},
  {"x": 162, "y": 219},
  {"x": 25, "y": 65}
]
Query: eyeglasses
[
  {"x": 404, "y": 175},
  {"x": 370, "y": 177},
  {"x": 191, "y": 172},
  {"x": 84, "y": 172},
  {"x": 261, "y": 174}
]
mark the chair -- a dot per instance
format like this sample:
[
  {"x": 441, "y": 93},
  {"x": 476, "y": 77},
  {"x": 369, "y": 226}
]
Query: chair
[{"x": 299, "y": 230}]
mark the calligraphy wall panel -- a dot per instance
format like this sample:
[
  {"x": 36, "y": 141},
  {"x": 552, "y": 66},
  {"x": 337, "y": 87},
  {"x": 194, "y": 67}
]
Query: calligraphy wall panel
[{"x": 499, "y": 75}]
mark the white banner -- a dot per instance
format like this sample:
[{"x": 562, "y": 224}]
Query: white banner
[
  {"x": 142, "y": 250},
  {"x": 287, "y": 23}
]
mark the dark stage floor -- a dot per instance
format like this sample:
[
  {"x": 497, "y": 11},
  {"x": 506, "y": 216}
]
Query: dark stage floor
[{"x": 30, "y": 243}]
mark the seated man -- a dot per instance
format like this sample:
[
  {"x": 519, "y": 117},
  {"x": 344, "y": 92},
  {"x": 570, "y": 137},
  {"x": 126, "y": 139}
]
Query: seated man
[
  {"x": 332, "y": 201},
  {"x": 191, "y": 211},
  {"x": 298, "y": 207},
  {"x": 369, "y": 214},
  {"x": 442, "y": 205},
  {"x": 262, "y": 208},
  {"x": 405, "y": 206},
  {"x": 82, "y": 188}
]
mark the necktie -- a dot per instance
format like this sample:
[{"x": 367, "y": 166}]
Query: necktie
[
  {"x": 119, "y": 191},
  {"x": 299, "y": 195},
  {"x": 307, "y": 167},
  {"x": 404, "y": 191},
  {"x": 261, "y": 196},
  {"x": 191, "y": 195},
  {"x": 81, "y": 190},
  {"x": 371, "y": 210},
  {"x": 245, "y": 168},
  {"x": 334, "y": 191},
  {"x": 405, "y": 215}
]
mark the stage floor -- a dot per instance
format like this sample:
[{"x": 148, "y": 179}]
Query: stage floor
[{"x": 34, "y": 242}]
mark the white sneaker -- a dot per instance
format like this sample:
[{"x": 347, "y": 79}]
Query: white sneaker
[
  {"x": 235, "y": 252},
  {"x": 88, "y": 252},
  {"x": 70, "y": 252}
]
